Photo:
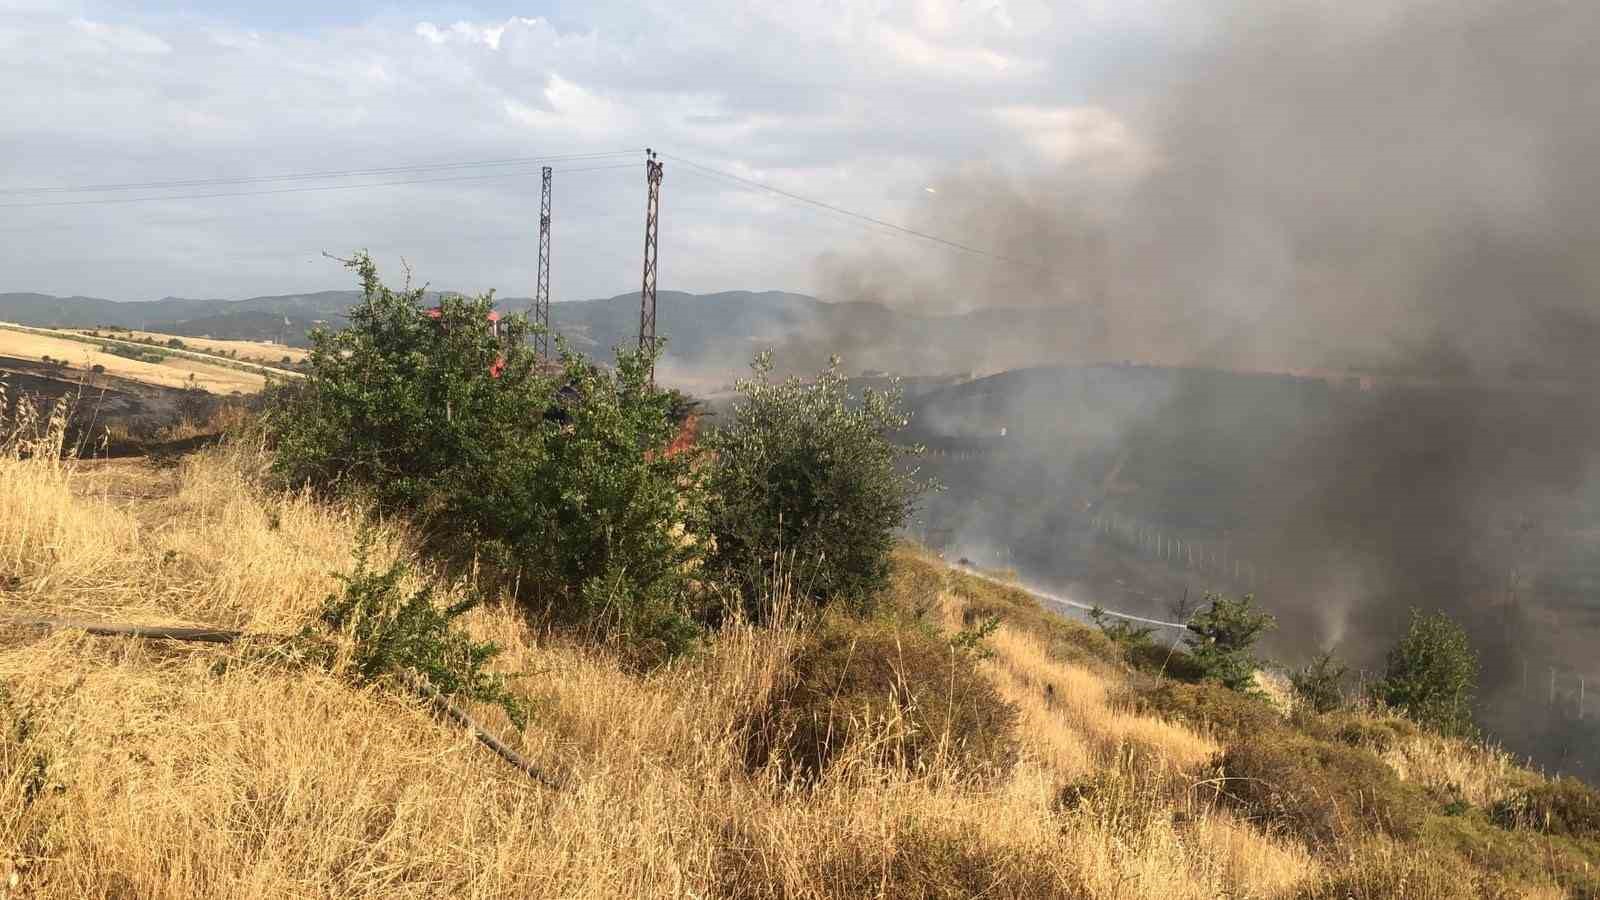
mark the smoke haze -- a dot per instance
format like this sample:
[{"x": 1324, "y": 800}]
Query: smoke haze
[
  {"x": 1355, "y": 180},
  {"x": 1406, "y": 188}
]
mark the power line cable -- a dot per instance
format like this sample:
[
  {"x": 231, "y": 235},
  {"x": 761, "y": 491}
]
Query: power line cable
[
  {"x": 760, "y": 186},
  {"x": 312, "y": 176},
  {"x": 305, "y": 189}
]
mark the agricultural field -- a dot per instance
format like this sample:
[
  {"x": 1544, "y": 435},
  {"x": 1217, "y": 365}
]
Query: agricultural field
[
  {"x": 245, "y": 351},
  {"x": 161, "y": 369}
]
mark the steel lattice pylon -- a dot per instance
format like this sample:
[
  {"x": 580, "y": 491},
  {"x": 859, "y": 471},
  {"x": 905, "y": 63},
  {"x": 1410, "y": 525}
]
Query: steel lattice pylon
[
  {"x": 541, "y": 294},
  {"x": 647, "y": 294}
]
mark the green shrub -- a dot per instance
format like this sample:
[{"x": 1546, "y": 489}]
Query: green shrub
[
  {"x": 1432, "y": 674},
  {"x": 1377, "y": 734},
  {"x": 1123, "y": 632},
  {"x": 895, "y": 694},
  {"x": 392, "y": 632},
  {"x": 1319, "y": 791},
  {"x": 1319, "y": 685},
  {"x": 975, "y": 632},
  {"x": 1165, "y": 661},
  {"x": 1208, "y": 707},
  {"x": 1222, "y": 636},
  {"x": 569, "y": 492},
  {"x": 135, "y": 353},
  {"x": 1564, "y": 806},
  {"x": 1064, "y": 639},
  {"x": 807, "y": 472}
]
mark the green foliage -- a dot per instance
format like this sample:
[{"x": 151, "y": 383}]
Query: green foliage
[
  {"x": 1319, "y": 791},
  {"x": 1123, "y": 631},
  {"x": 561, "y": 481},
  {"x": 1564, "y": 806},
  {"x": 1318, "y": 686},
  {"x": 392, "y": 632},
  {"x": 1432, "y": 674},
  {"x": 889, "y": 692},
  {"x": 140, "y": 354},
  {"x": 1222, "y": 636},
  {"x": 1208, "y": 707},
  {"x": 808, "y": 473},
  {"x": 975, "y": 630},
  {"x": 1377, "y": 734}
]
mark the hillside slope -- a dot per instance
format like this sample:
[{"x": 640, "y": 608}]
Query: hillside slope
[
  {"x": 138, "y": 769},
  {"x": 713, "y": 333}
]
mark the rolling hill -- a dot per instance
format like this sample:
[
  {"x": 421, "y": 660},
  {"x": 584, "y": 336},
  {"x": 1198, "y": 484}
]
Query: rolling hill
[{"x": 714, "y": 333}]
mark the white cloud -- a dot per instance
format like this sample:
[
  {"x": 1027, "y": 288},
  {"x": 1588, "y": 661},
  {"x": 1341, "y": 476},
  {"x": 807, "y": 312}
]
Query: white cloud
[
  {"x": 120, "y": 37},
  {"x": 570, "y": 108},
  {"x": 860, "y": 102},
  {"x": 952, "y": 61},
  {"x": 471, "y": 33}
]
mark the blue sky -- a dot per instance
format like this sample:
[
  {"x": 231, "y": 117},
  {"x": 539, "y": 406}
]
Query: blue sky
[{"x": 864, "y": 104}]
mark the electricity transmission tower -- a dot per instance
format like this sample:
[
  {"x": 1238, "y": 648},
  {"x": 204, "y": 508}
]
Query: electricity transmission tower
[
  {"x": 647, "y": 293},
  {"x": 541, "y": 295}
]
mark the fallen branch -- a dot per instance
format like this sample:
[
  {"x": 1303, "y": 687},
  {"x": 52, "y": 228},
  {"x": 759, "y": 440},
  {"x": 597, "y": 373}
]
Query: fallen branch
[{"x": 227, "y": 636}]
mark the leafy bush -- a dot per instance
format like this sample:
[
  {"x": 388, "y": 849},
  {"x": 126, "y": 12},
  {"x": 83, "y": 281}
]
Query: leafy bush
[
  {"x": 1122, "y": 631},
  {"x": 1221, "y": 637},
  {"x": 135, "y": 353},
  {"x": 560, "y": 481},
  {"x": 888, "y": 693},
  {"x": 392, "y": 632},
  {"x": 1319, "y": 791},
  {"x": 806, "y": 472},
  {"x": 1432, "y": 674},
  {"x": 1564, "y": 806},
  {"x": 1377, "y": 734},
  {"x": 975, "y": 630},
  {"x": 1065, "y": 640},
  {"x": 1208, "y": 707},
  {"x": 1319, "y": 685}
]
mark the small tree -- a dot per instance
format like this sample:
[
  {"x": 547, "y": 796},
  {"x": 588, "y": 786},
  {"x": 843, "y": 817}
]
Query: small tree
[
  {"x": 1222, "y": 636},
  {"x": 1319, "y": 685},
  {"x": 808, "y": 473},
  {"x": 1123, "y": 631},
  {"x": 1432, "y": 674},
  {"x": 562, "y": 481}
]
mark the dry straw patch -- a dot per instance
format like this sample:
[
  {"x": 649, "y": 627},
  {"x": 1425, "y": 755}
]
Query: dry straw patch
[
  {"x": 140, "y": 769},
  {"x": 1478, "y": 773}
]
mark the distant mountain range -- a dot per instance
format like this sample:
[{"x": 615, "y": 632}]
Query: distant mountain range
[{"x": 706, "y": 333}]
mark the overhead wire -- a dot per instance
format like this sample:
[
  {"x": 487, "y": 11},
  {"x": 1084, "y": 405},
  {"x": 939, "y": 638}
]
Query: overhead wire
[
  {"x": 752, "y": 184},
  {"x": 874, "y": 223},
  {"x": 311, "y": 176},
  {"x": 98, "y": 201}
]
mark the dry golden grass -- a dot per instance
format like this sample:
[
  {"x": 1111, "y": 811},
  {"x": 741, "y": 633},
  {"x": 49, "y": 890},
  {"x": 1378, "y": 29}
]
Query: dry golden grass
[
  {"x": 154, "y": 771},
  {"x": 173, "y": 372},
  {"x": 1480, "y": 774}
]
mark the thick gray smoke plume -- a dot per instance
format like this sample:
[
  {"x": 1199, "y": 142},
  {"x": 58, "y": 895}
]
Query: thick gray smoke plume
[
  {"x": 1322, "y": 183},
  {"x": 1412, "y": 187}
]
